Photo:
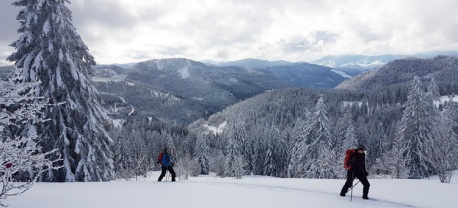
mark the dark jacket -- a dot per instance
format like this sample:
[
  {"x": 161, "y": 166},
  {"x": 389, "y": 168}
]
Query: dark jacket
[{"x": 358, "y": 162}]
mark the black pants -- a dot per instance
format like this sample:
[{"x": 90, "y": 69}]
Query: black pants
[
  {"x": 164, "y": 169},
  {"x": 351, "y": 175}
]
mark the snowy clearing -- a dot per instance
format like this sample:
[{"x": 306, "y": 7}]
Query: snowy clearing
[
  {"x": 250, "y": 191},
  {"x": 341, "y": 73},
  {"x": 217, "y": 130}
]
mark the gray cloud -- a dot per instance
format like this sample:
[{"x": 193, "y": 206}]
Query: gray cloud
[
  {"x": 173, "y": 51},
  {"x": 222, "y": 55},
  {"x": 8, "y": 28},
  {"x": 8, "y": 22},
  {"x": 102, "y": 16},
  {"x": 314, "y": 42},
  {"x": 325, "y": 36},
  {"x": 128, "y": 31}
]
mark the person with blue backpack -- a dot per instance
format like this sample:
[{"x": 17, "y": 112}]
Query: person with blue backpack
[{"x": 165, "y": 159}]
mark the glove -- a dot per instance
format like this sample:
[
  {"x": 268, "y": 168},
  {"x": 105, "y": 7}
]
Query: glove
[
  {"x": 171, "y": 164},
  {"x": 366, "y": 173}
]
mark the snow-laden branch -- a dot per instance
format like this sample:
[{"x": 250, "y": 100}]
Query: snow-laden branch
[
  {"x": 21, "y": 154},
  {"x": 19, "y": 149}
]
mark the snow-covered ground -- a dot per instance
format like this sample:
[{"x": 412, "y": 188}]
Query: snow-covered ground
[{"x": 250, "y": 191}]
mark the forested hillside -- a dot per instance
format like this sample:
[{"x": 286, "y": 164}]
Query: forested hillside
[
  {"x": 5, "y": 72},
  {"x": 303, "y": 133},
  {"x": 400, "y": 72}
]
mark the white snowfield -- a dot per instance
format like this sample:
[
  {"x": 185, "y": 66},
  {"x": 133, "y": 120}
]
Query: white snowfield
[{"x": 250, "y": 192}]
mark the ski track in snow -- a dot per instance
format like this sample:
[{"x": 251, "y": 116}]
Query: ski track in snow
[{"x": 315, "y": 193}]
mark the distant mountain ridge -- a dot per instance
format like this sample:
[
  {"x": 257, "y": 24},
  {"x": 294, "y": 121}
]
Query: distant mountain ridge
[
  {"x": 305, "y": 75},
  {"x": 444, "y": 69},
  {"x": 180, "y": 90},
  {"x": 365, "y": 62},
  {"x": 250, "y": 63}
]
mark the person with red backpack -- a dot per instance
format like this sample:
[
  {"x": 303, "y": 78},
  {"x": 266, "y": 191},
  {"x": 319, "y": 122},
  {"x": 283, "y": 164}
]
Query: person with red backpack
[
  {"x": 355, "y": 163},
  {"x": 165, "y": 159}
]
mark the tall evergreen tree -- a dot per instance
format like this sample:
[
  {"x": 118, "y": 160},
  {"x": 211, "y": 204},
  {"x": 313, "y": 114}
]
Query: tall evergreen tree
[
  {"x": 50, "y": 51},
  {"x": 395, "y": 161},
  {"x": 202, "y": 154},
  {"x": 336, "y": 154},
  {"x": 445, "y": 146},
  {"x": 260, "y": 151},
  {"x": 349, "y": 140},
  {"x": 416, "y": 132},
  {"x": 298, "y": 148},
  {"x": 318, "y": 135},
  {"x": 433, "y": 90},
  {"x": 234, "y": 162}
]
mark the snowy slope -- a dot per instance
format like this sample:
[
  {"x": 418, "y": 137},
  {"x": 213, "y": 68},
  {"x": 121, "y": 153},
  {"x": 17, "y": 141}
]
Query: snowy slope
[
  {"x": 401, "y": 72},
  {"x": 250, "y": 191}
]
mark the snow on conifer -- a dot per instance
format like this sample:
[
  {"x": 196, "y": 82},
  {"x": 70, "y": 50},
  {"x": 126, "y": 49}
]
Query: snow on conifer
[
  {"x": 202, "y": 154},
  {"x": 235, "y": 163},
  {"x": 50, "y": 51},
  {"x": 444, "y": 152},
  {"x": 416, "y": 132},
  {"x": 312, "y": 145}
]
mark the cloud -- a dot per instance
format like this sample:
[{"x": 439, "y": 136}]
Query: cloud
[
  {"x": 296, "y": 30},
  {"x": 315, "y": 42}
]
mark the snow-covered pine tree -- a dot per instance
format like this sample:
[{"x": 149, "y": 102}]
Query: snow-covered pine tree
[
  {"x": 432, "y": 96},
  {"x": 218, "y": 164},
  {"x": 202, "y": 154},
  {"x": 348, "y": 141},
  {"x": 138, "y": 153},
  {"x": 234, "y": 162},
  {"x": 50, "y": 51},
  {"x": 121, "y": 157},
  {"x": 317, "y": 142},
  {"x": 280, "y": 148},
  {"x": 380, "y": 146},
  {"x": 170, "y": 142},
  {"x": 395, "y": 162},
  {"x": 433, "y": 90},
  {"x": 187, "y": 166},
  {"x": 273, "y": 147},
  {"x": 260, "y": 150},
  {"x": 297, "y": 148},
  {"x": 416, "y": 132},
  {"x": 445, "y": 147}
]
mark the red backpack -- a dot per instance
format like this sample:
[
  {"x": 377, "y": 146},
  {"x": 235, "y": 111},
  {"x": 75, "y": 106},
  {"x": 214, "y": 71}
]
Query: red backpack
[
  {"x": 348, "y": 155},
  {"x": 8, "y": 164},
  {"x": 159, "y": 158}
]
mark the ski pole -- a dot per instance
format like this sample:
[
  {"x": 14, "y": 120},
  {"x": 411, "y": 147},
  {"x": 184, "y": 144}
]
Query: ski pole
[
  {"x": 353, "y": 178},
  {"x": 353, "y": 186},
  {"x": 351, "y": 195}
]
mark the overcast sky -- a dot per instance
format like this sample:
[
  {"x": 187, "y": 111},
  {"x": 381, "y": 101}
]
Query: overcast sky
[{"x": 123, "y": 31}]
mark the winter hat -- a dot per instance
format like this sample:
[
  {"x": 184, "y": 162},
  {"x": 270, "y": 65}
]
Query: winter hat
[{"x": 361, "y": 146}]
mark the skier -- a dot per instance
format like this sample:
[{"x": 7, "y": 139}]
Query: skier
[
  {"x": 167, "y": 164},
  {"x": 357, "y": 169}
]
